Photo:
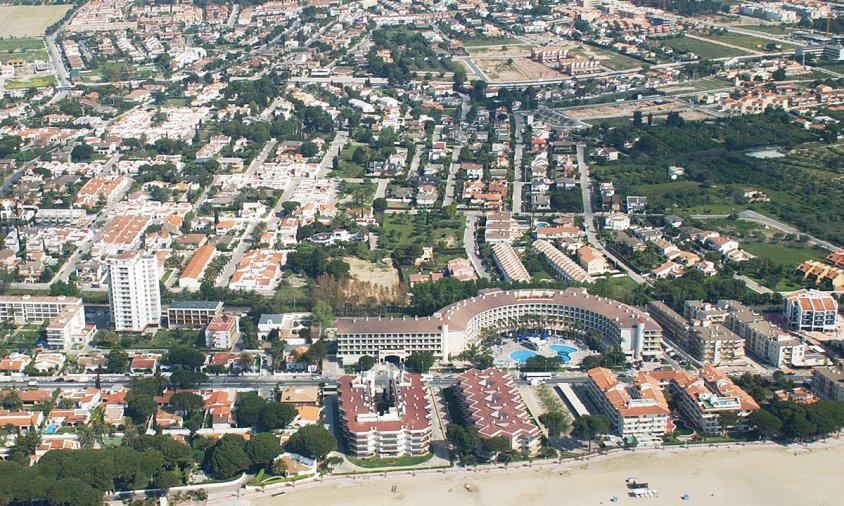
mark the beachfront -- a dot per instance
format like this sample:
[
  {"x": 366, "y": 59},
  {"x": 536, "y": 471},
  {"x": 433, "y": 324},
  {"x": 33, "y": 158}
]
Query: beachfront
[{"x": 764, "y": 475}]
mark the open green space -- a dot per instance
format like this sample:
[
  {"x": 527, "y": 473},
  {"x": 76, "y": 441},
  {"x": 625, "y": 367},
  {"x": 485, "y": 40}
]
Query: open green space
[
  {"x": 611, "y": 59},
  {"x": 163, "y": 339},
  {"x": 784, "y": 255},
  {"x": 772, "y": 29},
  {"x": 405, "y": 461},
  {"x": 28, "y": 49},
  {"x": 704, "y": 50},
  {"x": 35, "y": 82},
  {"x": 424, "y": 229},
  {"x": 748, "y": 41},
  {"x": 489, "y": 41}
]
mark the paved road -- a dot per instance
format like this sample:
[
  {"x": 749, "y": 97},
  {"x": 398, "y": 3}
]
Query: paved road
[
  {"x": 228, "y": 270},
  {"x": 753, "y": 285},
  {"x": 56, "y": 61},
  {"x": 589, "y": 215},
  {"x": 755, "y": 217},
  {"x": 469, "y": 243},
  {"x": 518, "y": 152}
]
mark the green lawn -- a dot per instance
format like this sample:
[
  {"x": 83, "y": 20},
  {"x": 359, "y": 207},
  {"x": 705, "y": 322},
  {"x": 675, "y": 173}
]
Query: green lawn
[
  {"x": 28, "y": 49},
  {"x": 611, "y": 59},
  {"x": 704, "y": 50},
  {"x": 406, "y": 461},
  {"x": 748, "y": 41},
  {"x": 35, "y": 82},
  {"x": 425, "y": 229},
  {"x": 489, "y": 41},
  {"x": 772, "y": 29},
  {"x": 784, "y": 255}
]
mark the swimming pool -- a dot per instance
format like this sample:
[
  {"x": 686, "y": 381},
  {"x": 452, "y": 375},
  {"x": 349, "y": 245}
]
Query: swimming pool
[
  {"x": 521, "y": 356},
  {"x": 563, "y": 351}
]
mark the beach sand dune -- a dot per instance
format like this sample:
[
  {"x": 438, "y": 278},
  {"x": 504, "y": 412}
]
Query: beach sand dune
[{"x": 767, "y": 476}]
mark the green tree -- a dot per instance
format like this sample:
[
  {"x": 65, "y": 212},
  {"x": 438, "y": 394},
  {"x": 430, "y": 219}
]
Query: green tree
[
  {"x": 590, "y": 362},
  {"x": 322, "y": 315},
  {"x": 420, "y": 361},
  {"x": 312, "y": 441},
  {"x": 187, "y": 401},
  {"x": 228, "y": 457},
  {"x": 187, "y": 379},
  {"x": 556, "y": 422},
  {"x": 81, "y": 153},
  {"x": 727, "y": 420},
  {"x": 365, "y": 363},
  {"x": 588, "y": 427},
  {"x": 379, "y": 205},
  {"x": 186, "y": 357},
  {"x": 277, "y": 415},
  {"x": 248, "y": 407},
  {"x": 262, "y": 449},
  {"x": 308, "y": 149},
  {"x": 117, "y": 362}
]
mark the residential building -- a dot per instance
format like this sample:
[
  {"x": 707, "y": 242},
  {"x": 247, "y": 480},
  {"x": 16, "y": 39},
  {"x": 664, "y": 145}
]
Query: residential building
[
  {"x": 810, "y": 310},
  {"x": 490, "y": 401},
  {"x": 638, "y": 409},
  {"x": 134, "y": 293},
  {"x": 702, "y": 398},
  {"x": 191, "y": 278},
  {"x": 562, "y": 267},
  {"x": 190, "y": 314},
  {"x": 384, "y": 420},
  {"x": 592, "y": 260},
  {"x": 222, "y": 332},
  {"x": 64, "y": 317},
  {"x": 828, "y": 383},
  {"x": 300, "y": 395},
  {"x": 512, "y": 269}
]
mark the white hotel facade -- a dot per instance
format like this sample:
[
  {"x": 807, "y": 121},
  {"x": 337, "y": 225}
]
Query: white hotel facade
[{"x": 448, "y": 331}]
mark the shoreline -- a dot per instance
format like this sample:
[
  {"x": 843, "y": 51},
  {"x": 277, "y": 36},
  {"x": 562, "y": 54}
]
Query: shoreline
[{"x": 763, "y": 473}]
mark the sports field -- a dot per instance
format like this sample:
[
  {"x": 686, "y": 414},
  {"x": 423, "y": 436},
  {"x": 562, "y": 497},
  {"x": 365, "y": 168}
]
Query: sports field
[{"x": 29, "y": 20}]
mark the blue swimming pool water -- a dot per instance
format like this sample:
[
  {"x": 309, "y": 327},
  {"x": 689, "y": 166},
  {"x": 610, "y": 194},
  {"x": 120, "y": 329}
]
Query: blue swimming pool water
[
  {"x": 563, "y": 351},
  {"x": 521, "y": 356},
  {"x": 541, "y": 224},
  {"x": 51, "y": 429}
]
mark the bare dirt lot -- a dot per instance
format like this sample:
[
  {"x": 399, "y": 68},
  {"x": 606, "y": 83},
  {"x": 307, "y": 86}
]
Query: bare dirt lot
[
  {"x": 29, "y": 20},
  {"x": 622, "y": 109},
  {"x": 378, "y": 274},
  {"x": 521, "y": 69}
]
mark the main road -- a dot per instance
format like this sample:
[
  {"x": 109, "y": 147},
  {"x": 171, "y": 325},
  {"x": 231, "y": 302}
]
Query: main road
[
  {"x": 589, "y": 215},
  {"x": 471, "y": 247}
]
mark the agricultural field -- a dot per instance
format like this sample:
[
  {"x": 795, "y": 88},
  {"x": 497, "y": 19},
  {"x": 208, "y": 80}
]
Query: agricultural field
[
  {"x": 35, "y": 82},
  {"x": 29, "y": 20},
  {"x": 27, "y": 49},
  {"x": 704, "y": 50},
  {"x": 785, "y": 255}
]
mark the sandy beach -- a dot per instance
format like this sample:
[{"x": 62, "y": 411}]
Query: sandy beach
[{"x": 764, "y": 475}]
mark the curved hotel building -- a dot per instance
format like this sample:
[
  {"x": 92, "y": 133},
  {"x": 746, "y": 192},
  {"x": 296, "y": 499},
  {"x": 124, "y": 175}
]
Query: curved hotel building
[{"x": 449, "y": 330}]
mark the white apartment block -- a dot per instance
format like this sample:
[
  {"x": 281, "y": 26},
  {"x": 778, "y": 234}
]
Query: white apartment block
[
  {"x": 64, "y": 316},
  {"x": 134, "y": 293}
]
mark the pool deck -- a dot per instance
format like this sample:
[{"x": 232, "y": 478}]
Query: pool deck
[{"x": 502, "y": 353}]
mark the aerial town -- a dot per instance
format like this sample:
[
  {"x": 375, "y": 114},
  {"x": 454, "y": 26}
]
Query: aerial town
[{"x": 370, "y": 251}]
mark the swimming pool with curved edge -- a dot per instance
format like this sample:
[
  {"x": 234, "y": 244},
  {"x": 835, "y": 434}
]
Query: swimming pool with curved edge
[
  {"x": 563, "y": 351},
  {"x": 521, "y": 356}
]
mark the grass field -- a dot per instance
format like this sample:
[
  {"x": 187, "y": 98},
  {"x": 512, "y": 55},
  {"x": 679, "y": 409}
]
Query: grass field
[
  {"x": 405, "y": 461},
  {"x": 748, "y": 41},
  {"x": 28, "y": 49},
  {"x": 489, "y": 41},
  {"x": 772, "y": 29},
  {"x": 785, "y": 255},
  {"x": 699, "y": 85},
  {"x": 610, "y": 59},
  {"x": 704, "y": 50},
  {"x": 35, "y": 82},
  {"x": 29, "y": 20}
]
